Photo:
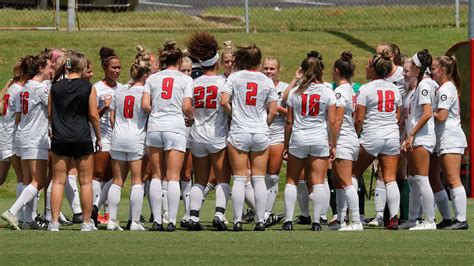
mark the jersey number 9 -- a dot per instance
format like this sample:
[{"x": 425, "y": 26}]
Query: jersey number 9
[{"x": 167, "y": 88}]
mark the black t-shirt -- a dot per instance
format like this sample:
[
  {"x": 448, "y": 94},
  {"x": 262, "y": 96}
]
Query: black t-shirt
[{"x": 70, "y": 110}]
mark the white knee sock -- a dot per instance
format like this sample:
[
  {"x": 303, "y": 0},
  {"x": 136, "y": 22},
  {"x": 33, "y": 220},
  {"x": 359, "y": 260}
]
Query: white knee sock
[
  {"x": 393, "y": 198},
  {"x": 327, "y": 204},
  {"x": 355, "y": 183},
  {"x": 427, "y": 198},
  {"x": 34, "y": 211},
  {"x": 353, "y": 202},
  {"x": 104, "y": 192},
  {"x": 136, "y": 202},
  {"x": 19, "y": 190},
  {"x": 222, "y": 196},
  {"x": 47, "y": 206},
  {"x": 72, "y": 194},
  {"x": 271, "y": 181},
  {"x": 442, "y": 201},
  {"x": 173, "y": 200},
  {"x": 459, "y": 199},
  {"x": 258, "y": 184},
  {"x": 249, "y": 195},
  {"x": 156, "y": 196},
  {"x": 196, "y": 195},
  {"x": 165, "y": 196},
  {"x": 209, "y": 188},
  {"x": 290, "y": 200},
  {"x": 96, "y": 188},
  {"x": 414, "y": 199},
  {"x": 303, "y": 198},
  {"x": 115, "y": 192},
  {"x": 380, "y": 198},
  {"x": 341, "y": 200},
  {"x": 29, "y": 192},
  {"x": 238, "y": 197},
  {"x": 185, "y": 190},
  {"x": 319, "y": 201}
]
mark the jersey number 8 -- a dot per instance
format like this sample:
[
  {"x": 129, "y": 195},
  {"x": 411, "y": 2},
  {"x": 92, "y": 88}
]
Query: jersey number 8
[{"x": 128, "y": 107}]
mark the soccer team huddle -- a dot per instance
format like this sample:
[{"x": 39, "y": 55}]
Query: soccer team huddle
[{"x": 180, "y": 129}]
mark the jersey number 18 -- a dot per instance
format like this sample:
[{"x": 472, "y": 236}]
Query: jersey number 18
[{"x": 388, "y": 98}]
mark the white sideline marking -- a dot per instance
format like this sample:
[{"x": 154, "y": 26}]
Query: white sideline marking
[
  {"x": 146, "y": 2},
  {"x": 306, "y": 2}
]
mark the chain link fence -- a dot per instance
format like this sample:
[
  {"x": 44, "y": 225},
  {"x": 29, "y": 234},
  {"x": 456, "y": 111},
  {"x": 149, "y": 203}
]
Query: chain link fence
[{"x": 230, "y": 15}]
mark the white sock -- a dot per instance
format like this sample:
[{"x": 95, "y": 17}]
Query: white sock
[
  {"x": 414, "y": 199},
  {"x": 380, "y": 198},
  {"x": 29, "y": 192},
  {"x": 72, "y": 194},
  {"x": 459, "y": 199},
  {"x": 355, "y": 183},
  {"x": 197, "y": 194},
  {"x": 96, "y": 191},
  {"x": 341, "y": 200},
  {"x": 271, "y": 181},
  {"x": 427, "y": 198},
  {"x": 328, "y": 199},
  {"x": 165, "y": 196},
  {"x": 353, "y": 202},
  {"x": 290, "y": 200},
  {"x": 258, "y": 184},
  {"x": 319, "y": 201},
  {"x": 209, "y": 188},
  {"x": 115, "y": 192},
  {"x": 104, "y": 192},
  {"x": 249, "y": 195},
  {"x": 156, "y": 197},
  {"x": 222, "y": 196},
  {"x": 173, "y": 200},
  {"x": 185, "y": 190},
  {"x": 393, "y": 198},
  {"x": 19, "y": 190},
  {"x": 34, "y": 211},
  {"x": 442, "y": 201},
  {"x": 238, "y": 197},
  {"x": 136, "y": 202},
  {"x": 303, "y": 198},
  {"x": 47, "y": 206}
]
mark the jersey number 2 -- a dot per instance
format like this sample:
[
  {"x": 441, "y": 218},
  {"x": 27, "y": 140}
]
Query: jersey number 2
[
  {"x": 251, "y": 96},
  {"x": 128, "y": 107},
  {"x": 208, "y": 93},
  {"x": 388, "y": 98}
]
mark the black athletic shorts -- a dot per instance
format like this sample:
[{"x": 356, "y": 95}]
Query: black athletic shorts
[{"x": 75, "y": 150}]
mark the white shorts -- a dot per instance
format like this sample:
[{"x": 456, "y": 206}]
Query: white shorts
[
  {"x": 249, "y": 141},
  {"x": 451, "y": 150},
  {"x": 166, "y": 140},
  {"x": 33, "y": 154},
  {"x": 5, "y": 155},
  {"x": 16, "y": 151},
  {"x": 127, "y": 156},
  {"x": 347, "y": 152},
  {"x": 381, "y": 146},
  {"x": 429, "y": 148},
  {"x": 203, "y": 150},
  {"x": 305, "y": 151},
  {"x": 277, "y": 139}
]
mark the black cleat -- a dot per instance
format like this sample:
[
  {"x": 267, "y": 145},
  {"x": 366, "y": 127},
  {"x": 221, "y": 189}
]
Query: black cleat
[
  {"x": 184, "y": 224},
  {"x": 220, "y": 225},
  {"x": 274, "y": 219},
  {"x": 94, "y": 215},
  {"x": 316, "y": 227},
  {"x": 323, "y": 221},
  {"x": 171, "y": 227},
  {"x": 237, "y": 227},
  {"x": 41, "y": 223},
  {"x": 288, "y": 226},
  {"x": 259, "y": 227},
  {"x": 303, "y": 219},
  {"x": 65, "y": 222},
  {"x": 129, "y": 223},
  {"x": 445, "y": 223},
  {"x": 457, "y": 225},
  {"x": 248, "y": 217},
  {"x": 77, "y": 218},
  {"x": 157, "y": 227},
  {"x": 194, "y": 226}
]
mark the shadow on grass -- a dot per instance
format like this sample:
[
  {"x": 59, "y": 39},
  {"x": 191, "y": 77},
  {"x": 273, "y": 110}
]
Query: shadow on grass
[{"x": 353, "y": 40}]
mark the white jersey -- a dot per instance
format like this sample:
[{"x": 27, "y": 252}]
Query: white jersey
[
  {"x": 103, "y": 92},
  {"x": 251, "y": 91},
  {"x": 310, "y": 115},
  {"x": 425, "y": 93},
  {"x": 7, "y": 120},
  {"x": 278, "y": 126},
  {"x": 130, "y": 120},
  {"x": 167, "y": 89},
  {"x": 449, "y": 132},
  {"x": 211, "y": 124},
  {"x": 32, "y": 131},
  {"x": 345, "y": 97},
  {"x": 398, "y": 80},
  {"x": 381, "y": 99}
]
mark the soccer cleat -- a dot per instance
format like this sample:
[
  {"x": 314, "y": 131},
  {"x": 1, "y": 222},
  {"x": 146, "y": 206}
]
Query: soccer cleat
[
  {"x": 237, "y": 227},
  {"x": 407, "y": 224},
  {"x": 335, "y": 225},
  {"x": 457, "y": 225},
  {"x": 352, "y": 227},
  {"x": 259, "y": 227},
  {"x": 184, "y": 223},
  {"x": 303, "y": 219},
  {"x": 249, "y": 217},
  {"x": 113, "y": 226},
  {"x": 11, "y": 219},
  {"x": 77, "y": 218},
  {"x": 194, "y": 226},
  {"x": 42, "y": 222},
  {"x": 220, "y": 225},
  {"x": 63, "y": 221},
  {"x": 376, "y": 222},
  {"x": 425, "y": 225},
  {"x": 288, "y": 226},
  {"x": 316, "y": 227},
  {"x": 445, "y": 223},
  {"x": 136, "y": 227},
  {"x": 393, "y": 223},
  {"x": 103, "y": 219},
  {"x": 171, "y": 227},
  {"x": 94, "y": 215},
  {"x": 31, "y": 226},
  {"x": 53, "y": 227},
  {"x": 157, "y": 227},
  {"x": 88, "y": 227},
  {"x": 274, "y": 219},
  {"x": 323, "y": 221}
]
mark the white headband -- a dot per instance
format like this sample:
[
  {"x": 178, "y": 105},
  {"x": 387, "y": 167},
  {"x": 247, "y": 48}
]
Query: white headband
[
  {"x": 416, "y": 60},
  {"x": 210, "y": 62}
]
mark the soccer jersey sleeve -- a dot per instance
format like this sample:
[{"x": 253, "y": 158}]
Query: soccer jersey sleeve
[
  {"x": 331, "y": 97},
  {"x": 188, "y": 90},
  {"x": 228, "y": 86},
  {"x": 147, "y": 87},
  {"x": 43, "y": 93},
  {"x": 289, "y": 101},
  {"x": 362, "y": 96},
  {"x": 445, "y": 99},
  {"x": 340, "y": 100},
  {"x": 424, "y": 96},
  {"x": 272, "y": 95}
]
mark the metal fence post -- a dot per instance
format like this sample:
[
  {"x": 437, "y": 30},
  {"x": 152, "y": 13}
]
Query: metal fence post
[
  {"x": 58, "y": 16},
  {"x": 71, "y": 15},
  {"x": 247, "y": 25}
]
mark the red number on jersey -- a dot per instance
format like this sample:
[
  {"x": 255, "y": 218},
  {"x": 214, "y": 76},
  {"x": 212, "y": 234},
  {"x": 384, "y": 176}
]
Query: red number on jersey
[
  {"x": 167, "y": 88},
  {"x": 24, "y": 102},
  {"x": 199, "y": 97},
  {"x": 211, "y": 97},
  {"x": 209, "y": 93},
  {"x": 313, "y": 104},
  {"x": 252, "y": 89},
  {"x": 128, "y": 107},
  {"x": 6, "y": 99},
  {"x": 388, "y": 98}
]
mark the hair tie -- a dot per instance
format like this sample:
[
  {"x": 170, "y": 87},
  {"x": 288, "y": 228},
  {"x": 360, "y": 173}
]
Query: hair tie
[
  {"x": 210, "y": 62},
  {"x": 68, "y": 63},
  {"x": 416, "y": 60}
]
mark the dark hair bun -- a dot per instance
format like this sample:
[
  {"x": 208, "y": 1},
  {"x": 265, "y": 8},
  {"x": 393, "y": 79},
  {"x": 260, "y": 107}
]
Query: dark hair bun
[
  {"x": 315, "y": 54},
  {"x": 106, "y": 52},
  {"x": 386, "y": 54},
  {"x": 346, "y": 56},
  {"x": 169, "y": 45}
]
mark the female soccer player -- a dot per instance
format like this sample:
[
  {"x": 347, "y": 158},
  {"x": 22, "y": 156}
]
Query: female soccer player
[
  {"x": 72, "y": 106},
  {"x": 311, "y": 107},
  {"x": 168, "y": 98},
  {"x": 378, "y": 111},
  {"x": 253, "y": 109},
  {"x": 228, "y": 58},
  {"x": 451, "y": 139},
  {"x": 32, "y": 135}
]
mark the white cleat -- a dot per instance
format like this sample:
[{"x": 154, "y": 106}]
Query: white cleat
[
  {"x": 352, "y": 227},
  {"x": 88, "y": 227},
  {"x": 137, "y": 227},
  {"x": 11, "y": 219},
  {"x": 424, "y": 226},
  {"x": 376, "y": 222},
  {"x": 53, "y": 227},
  {"x": 113, "y": 226}
]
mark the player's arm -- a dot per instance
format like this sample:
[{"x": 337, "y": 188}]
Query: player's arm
[
  {"x": 146, "y": 102},
  {"x": 188, "y": 111},
  {"x": 288, "y": 130},
  {"x": 272, "y": 110},
  {"x": 94, "y": 116},
  {"x": 225, "y": 103},
  {"x": 359, "y": 118}
]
